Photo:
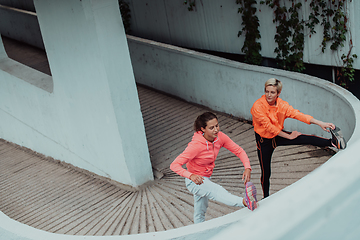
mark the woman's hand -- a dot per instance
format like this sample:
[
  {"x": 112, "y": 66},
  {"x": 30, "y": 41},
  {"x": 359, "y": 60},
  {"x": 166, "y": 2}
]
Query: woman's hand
[
  {"x": 197, "y": 179},
  {"x": 292, "y": 135},
  {"x": 246, "y": 175},
  {"x": 323, "y": 125}
]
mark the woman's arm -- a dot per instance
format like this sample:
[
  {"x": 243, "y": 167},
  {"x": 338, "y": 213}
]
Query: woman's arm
[
  {"x": 177, "y": 164},
  {"x": 246, "y": 175},
  {"x": 292, "y": 135},
  {"x": 322, "y": 124},
  {"x": 187, "y": 155},
  {"x": 240, "y": 153},
  {"x": 295, "y": 134}
]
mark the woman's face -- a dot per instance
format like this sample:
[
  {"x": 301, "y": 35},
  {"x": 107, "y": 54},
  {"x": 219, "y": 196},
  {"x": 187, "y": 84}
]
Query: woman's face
[
  {"x": 271, "y": 95},
  {"x": 211, "y": 130}
]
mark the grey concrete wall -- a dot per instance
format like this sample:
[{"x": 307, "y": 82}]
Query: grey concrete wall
[
  {"x": 20, "y": 4},
  {"x": 233, "y": 87},
  {"x": 214, "y": 25},
  {"x": 20, "y": 25}
]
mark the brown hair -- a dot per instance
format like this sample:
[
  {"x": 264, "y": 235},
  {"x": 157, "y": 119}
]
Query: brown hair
[{"x": 201, "y": 120}]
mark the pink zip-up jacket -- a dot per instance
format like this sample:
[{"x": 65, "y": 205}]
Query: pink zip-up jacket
[{"x": 200, "y": 154}]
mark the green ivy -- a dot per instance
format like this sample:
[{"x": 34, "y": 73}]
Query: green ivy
[
  {"x": 347, "y": 71},
  {"x": 191, "y": 4},
  {"x": 289, "y": 34},
  {"x": 334, "y": 22},
  {"x": 250, "y": 21},
  {"x": 290, "y": 27}
]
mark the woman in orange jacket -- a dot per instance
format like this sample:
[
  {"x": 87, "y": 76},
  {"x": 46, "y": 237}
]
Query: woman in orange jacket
[
  {"x": 268, "y": 115},
  {"x": 199, "y": 157}
]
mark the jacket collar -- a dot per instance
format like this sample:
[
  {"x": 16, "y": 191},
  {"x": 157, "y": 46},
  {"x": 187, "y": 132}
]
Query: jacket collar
[
  {"x": 264, "y": 101},
  {"x": 199, "y": 137}
]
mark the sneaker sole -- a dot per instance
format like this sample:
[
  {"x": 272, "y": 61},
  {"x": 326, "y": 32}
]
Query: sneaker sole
[
  {"x": 251, "y": 195},
  {"x": 339, "y": 137}
]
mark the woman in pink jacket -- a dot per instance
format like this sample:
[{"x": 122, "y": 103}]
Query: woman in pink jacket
[{"x": 199, "y": 157}]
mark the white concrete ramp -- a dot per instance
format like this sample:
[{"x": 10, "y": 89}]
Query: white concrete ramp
[{"x": 56, "y": 197}]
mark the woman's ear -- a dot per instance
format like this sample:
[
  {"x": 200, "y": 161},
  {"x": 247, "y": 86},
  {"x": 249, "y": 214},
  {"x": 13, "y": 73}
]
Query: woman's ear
[{"x": 202, "y": 129}]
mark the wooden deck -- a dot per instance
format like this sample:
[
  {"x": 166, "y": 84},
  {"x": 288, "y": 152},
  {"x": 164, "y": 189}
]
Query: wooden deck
[{"x": 55, "y": 197}]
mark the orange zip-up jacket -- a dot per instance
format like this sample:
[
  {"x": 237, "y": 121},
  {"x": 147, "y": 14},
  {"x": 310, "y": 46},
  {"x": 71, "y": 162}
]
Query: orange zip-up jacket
[
  {"x": 200, "y": 154},
  {"x": 269, "y": 120}
]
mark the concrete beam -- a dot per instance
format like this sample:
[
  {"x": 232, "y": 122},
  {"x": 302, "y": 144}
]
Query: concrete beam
[{"x": 91, "y": 119}]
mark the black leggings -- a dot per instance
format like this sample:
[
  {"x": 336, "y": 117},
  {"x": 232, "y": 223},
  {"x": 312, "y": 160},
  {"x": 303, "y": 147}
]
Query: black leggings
[{"x": 266, "y": 147}]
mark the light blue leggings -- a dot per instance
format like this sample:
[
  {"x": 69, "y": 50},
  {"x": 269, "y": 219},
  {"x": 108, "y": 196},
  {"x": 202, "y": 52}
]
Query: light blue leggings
[{"x": 209, "y": 190}]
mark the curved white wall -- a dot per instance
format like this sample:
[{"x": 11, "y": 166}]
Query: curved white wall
[
  {"x": 232, "y": 87},
  {"x": 324, "y": 203}
]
